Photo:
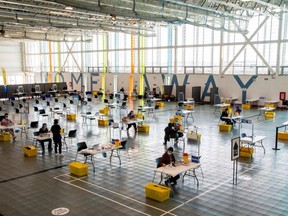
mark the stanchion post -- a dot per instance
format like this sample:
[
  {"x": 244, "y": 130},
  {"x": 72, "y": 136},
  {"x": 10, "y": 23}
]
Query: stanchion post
[{"x": 276, "y": 140}]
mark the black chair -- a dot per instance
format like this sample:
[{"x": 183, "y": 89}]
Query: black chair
[
  {"x": 71, "y": 135},
  {"x": 106, "y": 101},
  {"x": 71, "y": 101},
  {"x": 48, "y": 103},
  {"x": 82, "y": 146},
  {"x": 37, "y": 101},
  {"x": 36, "y": 109},
  {"x": 56, "y": 100},
  {"x": 17, "y": 110},
  {"x": 33, "y": 125},
  {"x": 35, "y": 135},
  {"x": 20, "y": 106}
]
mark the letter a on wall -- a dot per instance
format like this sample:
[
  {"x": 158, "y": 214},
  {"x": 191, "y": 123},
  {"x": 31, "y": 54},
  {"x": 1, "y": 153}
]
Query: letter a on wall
[{"x": 207, "y": 84}]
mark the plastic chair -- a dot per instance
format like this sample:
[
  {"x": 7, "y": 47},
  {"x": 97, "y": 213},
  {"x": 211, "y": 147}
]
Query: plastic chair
[
  {"x": 71, "y": 135},
  {"x": 81, "y": 146}
]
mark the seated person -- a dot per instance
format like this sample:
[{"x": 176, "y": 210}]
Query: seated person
[
  {"x": 237, "y": 111},
  {"x": 131, "y": 116},
  {"x": 226, "y": 114},
  {"x": 44, "y": 130},
  {"x": 172, "y": 131},
  {"x": 7, "y": 122},
  {"x": 167, "y": 159}
]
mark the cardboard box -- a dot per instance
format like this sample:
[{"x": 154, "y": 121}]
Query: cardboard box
[
  {"x": 78, "y": 168},
  {"x": 157, "y": 192},
  {"x": 225, "y": 127},
  {"x": 5, "y": 137},
  {"x": 30, "y": 151},
  {"x": 143, "y": 128},
  {"x": 283, "y": 135}
]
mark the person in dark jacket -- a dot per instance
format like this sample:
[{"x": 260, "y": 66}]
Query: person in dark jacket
[
  {"x": 55, "y": 129},
  {"x": 168, "y": 159},
  {"x": 42, "y": 131},
  {"x": 226, "y": 114}
]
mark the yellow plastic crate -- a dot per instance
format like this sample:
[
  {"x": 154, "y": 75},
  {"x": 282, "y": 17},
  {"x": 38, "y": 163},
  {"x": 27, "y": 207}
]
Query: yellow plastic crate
[
  {"x": 157, "y": 192},
  {"x": 225, "y": 127},
  {"x": 30, "y": 151},
  {"x": 94, "y": 93},
  {"x": 5, "y": 137},
  {"x": 179, "y": 118},
  {"x": 189, "y": 107},
  {"x": 143, "y": 128},
  {"x": 160, "y": 104},
  {"x": 78, "y": 168},
  {"x": 103, "y": 122},
  {"x": 246, "y": 152},
  {"x": 138, "y": 115},
  {"x": 246, "y": 106},
  {"x": 283, "y": 135},
  {"x": 71, "y": 117},
  {"x": 104, "y": 111},
  {"x": 270, "y": 114},
  {"x": 194, "y": 136},
  {"x": 270, "y": 105}
]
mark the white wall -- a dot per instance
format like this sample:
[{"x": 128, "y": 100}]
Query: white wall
[{"x": 10, "y": 57}]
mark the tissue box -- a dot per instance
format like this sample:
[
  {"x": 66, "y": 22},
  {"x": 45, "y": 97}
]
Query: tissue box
[
  {"x": 157, "y": 192},
  {"x": 270, "y": 114}
]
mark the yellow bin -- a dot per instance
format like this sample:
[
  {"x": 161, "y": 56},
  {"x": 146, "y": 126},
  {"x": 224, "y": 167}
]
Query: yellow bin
[
  {"x": 5, "y": 137},
  {"x": 283, "y": 135},
  {"x": 30, "y": 151},
  {"x": 78, "y": 168},
  {"x": 157, "y": 192},
  {"x": 225, "y": 127}
]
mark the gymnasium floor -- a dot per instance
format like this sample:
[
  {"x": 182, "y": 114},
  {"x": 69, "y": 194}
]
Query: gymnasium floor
[{"x": 38, "y": 185}]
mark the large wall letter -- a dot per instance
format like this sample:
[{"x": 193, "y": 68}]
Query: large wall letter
[{"x": 244, "y": 87}]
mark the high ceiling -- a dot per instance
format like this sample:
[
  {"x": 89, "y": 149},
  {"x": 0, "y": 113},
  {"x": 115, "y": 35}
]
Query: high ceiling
[{"x": 61, "y": 20}]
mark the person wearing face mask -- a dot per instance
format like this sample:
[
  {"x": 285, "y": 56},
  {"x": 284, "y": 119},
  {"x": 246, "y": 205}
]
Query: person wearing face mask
[
  {"x": 167, "y": 159},
  {"x": 7, "y": 122},
  {"x": 42, "y": 131}
]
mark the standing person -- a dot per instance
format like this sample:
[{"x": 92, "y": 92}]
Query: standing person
[
  {"x": 42, "y": 132},
  {"x": 7, "y": 122},
  {"x": 55, "y": 129},
  {"x": 167, "y": 159},
  {"x": 131, "y": 116}
]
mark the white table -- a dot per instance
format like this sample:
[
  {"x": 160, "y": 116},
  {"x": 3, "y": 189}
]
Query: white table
[
  {"x": 148, "y": 109},
  {"x": 178, "y": 169},
  {"x": 275, "y": 102},
  {"x": 219, "y": 107},
  {"x": 12, "y": 127},
  {"x": 252, "y": 101},
  {"x": 185, "y": 114},
  {"x": 88, "y": 116},
  {"x": 262, "y": 110},
  {"x": 230, "y": 99},
  {"x": 251, "y": 142},
  {"x": 103, "y": 148}
]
